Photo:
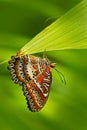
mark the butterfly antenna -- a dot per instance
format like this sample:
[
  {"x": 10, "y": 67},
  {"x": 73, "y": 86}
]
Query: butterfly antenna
[{"x": 61, "y": 76}]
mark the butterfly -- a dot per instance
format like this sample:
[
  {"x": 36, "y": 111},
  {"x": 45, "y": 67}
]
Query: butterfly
[{"x": 35, "y": 76}]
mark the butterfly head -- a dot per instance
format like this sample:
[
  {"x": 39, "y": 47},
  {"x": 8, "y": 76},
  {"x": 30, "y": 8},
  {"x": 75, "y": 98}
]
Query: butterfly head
[{"x": 48, "y": 62}]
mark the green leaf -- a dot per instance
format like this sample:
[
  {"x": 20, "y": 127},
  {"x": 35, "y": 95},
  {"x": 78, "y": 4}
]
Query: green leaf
[{"x": 68, "y": 32}]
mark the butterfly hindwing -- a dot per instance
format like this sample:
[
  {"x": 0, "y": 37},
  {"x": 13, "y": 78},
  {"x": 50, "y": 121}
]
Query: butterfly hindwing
[{"x": 35, "y": 77}]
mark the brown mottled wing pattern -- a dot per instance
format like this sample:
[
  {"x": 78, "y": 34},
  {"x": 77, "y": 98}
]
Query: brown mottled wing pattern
[{"x": 34, "y": 75}]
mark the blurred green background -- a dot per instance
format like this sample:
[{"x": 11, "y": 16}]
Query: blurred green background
[{"x": 66, "y": 108}]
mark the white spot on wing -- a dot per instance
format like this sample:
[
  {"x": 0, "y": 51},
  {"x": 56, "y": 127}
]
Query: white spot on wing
[
  {"x": 45, "y": 94},
  {"x": 30, "y": 72}
]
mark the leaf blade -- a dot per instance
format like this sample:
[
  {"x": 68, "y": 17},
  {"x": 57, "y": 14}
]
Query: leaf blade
[{"x": 68, "y": 32}]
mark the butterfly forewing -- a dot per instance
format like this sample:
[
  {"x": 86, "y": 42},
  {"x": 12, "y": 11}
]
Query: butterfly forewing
[{"x": 35, "y": 77}]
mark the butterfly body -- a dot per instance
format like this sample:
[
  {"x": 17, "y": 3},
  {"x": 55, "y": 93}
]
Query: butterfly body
[{"x": 35, "y": 76}]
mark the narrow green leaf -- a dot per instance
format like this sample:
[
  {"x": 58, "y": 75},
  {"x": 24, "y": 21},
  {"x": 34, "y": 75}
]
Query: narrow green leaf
[{"x": 68, "y": 32}]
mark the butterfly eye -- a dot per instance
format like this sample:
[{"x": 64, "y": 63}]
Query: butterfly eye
[{"x": 52, "y": 65}]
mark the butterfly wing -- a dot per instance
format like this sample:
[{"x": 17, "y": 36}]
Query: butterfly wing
[
  {"x": 37, "y": 89},
  {"x": 34, "y": 76}
]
